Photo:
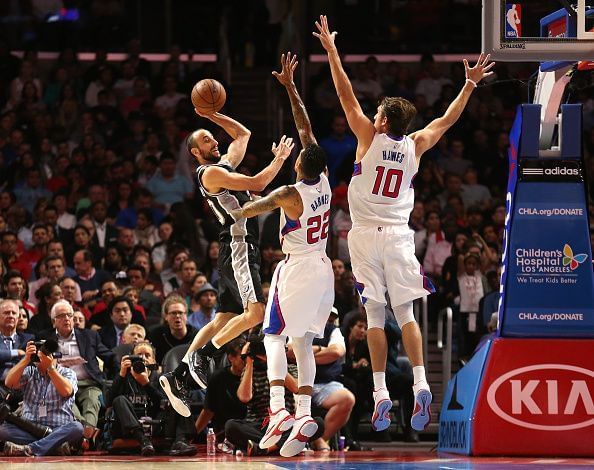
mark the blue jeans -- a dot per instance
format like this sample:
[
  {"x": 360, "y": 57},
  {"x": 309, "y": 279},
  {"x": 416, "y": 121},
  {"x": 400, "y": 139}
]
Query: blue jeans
[{"x": 71, "y": 432}]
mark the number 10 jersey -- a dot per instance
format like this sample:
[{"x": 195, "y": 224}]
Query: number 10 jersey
[
  {"x": 309, "y": 233},
  {"x": 381, "y": 191}
]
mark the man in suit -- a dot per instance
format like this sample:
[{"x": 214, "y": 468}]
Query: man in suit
[
  {"x": 12, "y": 344},
  {"x": 80, "y": 349},
  {"x": 105, "y": 234},
  {"x": 120, "y": 313}
]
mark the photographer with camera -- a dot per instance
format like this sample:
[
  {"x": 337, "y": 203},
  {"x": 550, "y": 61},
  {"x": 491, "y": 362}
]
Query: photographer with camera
[
  {"x": 135, "y": 394},
  {"x": 48, "y": 399}
]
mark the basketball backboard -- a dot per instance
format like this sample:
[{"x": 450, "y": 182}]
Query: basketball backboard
[{"x": 538, "y": 30}]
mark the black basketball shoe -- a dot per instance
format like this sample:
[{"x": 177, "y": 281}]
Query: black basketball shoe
[
  {"x": 199, "y": 365},
  {"x": 176, "y": 391}
]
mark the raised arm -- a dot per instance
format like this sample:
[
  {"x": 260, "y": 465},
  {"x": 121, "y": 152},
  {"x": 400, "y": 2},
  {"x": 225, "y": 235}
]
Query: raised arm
[
  {"x": 239, "y": 133},
  {"x": 430, "y": 135},
  {"x": 302, "y": 122},
  {"x": 215, "y": 178},
  {"x": 360, "y": 124}
]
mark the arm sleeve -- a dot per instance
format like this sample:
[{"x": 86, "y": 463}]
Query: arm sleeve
[
  {"x": 70, "y": 375},
  {"x": 25, "y": 377}
]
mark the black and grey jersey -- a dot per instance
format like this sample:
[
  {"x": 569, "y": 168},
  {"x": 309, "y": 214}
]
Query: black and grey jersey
[{"x": 222, "y": 203}]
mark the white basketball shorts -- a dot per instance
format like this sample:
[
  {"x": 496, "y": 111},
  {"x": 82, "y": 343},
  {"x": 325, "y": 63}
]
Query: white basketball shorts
[
  {"x": 383, "y": 258},
  {"x": 301, "y": 296}
]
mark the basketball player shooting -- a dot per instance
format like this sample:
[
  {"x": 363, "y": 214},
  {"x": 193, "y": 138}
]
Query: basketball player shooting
[
  {"x": 302, "y": 289},
  {"x": 381, "y": 198},
  {"x": 240, "y": 292}
]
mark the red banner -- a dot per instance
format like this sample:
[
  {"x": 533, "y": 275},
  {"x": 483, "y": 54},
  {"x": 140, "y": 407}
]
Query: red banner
[{"x": 536, "y": 398}]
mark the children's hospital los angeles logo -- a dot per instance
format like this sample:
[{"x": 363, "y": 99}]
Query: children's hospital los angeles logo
[
  {"x": 571, "y": 260},
  {"x": 548, "y": 266}
]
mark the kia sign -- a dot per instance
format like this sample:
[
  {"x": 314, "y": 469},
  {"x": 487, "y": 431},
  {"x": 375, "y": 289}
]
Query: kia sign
[
  {"x": 536, "y": 397},
  {"x": 564, "y": 388}
]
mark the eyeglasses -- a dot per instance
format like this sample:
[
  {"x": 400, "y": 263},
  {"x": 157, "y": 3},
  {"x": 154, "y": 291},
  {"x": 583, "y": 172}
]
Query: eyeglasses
[
  {"x": 177, "y": 313},
  {"x": 64, "y": 315}
]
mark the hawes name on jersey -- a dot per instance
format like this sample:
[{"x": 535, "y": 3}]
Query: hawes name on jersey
[
  {"x": 319, "y": 201},
  {"x": 389, "y": 155}
]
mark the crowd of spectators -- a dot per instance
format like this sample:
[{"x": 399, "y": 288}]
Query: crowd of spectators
[{"x": 109, "y": 250}]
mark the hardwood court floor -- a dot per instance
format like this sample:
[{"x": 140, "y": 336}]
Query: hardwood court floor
[{"x": 418, "y": 457}]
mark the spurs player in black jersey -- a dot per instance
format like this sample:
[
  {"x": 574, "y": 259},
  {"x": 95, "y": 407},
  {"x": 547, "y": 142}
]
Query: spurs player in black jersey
[{"x": 240, "y": 292}]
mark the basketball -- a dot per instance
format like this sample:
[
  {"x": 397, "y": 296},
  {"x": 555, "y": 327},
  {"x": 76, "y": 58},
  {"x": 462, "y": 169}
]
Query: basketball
[{"x": 208, "y": 96}]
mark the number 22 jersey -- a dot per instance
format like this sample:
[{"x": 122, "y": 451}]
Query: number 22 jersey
[
  {"x": 381, "y": 191},
  {"x": 310, "y": 232}
]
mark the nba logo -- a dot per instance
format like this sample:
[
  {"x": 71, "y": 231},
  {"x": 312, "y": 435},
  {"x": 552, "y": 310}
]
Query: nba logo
[{"x": 513, "y": 20}]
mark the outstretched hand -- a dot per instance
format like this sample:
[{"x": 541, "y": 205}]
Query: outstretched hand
[
  {"x": 325, "y": 36},
  {"x": 284, "y": 147},
  {"x": 480, "y": 70},
  {"x": 288, "y": 64}
]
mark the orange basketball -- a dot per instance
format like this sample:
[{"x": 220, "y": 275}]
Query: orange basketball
[{"x": 208, "y": 96}]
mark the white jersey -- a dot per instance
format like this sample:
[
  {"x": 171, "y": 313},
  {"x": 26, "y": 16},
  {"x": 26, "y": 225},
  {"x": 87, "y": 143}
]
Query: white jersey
[
  {"x": 381, "y": 191},
  {"x": 310, "y": 232}
]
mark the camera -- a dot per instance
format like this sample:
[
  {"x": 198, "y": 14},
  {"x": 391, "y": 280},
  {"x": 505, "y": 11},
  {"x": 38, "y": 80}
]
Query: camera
[
  {"x": 48, "y": 347},
  {"x": 138, "y": 364},
  {"x": 256, "y": 347}
]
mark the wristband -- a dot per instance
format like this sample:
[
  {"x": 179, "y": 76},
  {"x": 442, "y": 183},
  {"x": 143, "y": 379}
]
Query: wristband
[{"x": 472, "y": 81}]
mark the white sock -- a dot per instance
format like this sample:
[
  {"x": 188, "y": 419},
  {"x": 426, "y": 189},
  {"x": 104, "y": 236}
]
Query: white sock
[
  {"x": 379, "y": 380},
  {"x": 277, "y": 398},
  {"x": 303, "y": 406},
  {"x": 419, "y": 374}
]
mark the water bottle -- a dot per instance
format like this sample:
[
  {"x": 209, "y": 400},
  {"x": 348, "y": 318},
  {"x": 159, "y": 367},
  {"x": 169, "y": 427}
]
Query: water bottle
[{"x": 211, "y": 442}]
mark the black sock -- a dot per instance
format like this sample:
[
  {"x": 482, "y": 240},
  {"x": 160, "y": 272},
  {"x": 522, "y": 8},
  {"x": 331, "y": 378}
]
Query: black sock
[
  {"x": 208, "y": 349},
  {"x": 181, "y": 370}
]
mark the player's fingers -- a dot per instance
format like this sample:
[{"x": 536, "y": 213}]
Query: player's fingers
[
  {"x": 486, "y": 59},
  {"x": 480, "y": 59},
  {"x": 466, "y": 66},
  {"x": 334, "y": 33},
  {"x": 319, "y": 26},
  {"x": 275, "y": 73},
  {"x": 489, "y": 74},
  {"x": 489, "y": 67},
  {"x": 294, "y": 66},
  {"x": 316, "y": 35}
]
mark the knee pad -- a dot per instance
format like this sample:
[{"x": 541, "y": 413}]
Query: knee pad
[
  {"x": 404, "y": 314},
  {"x": 376, "y": 314}
]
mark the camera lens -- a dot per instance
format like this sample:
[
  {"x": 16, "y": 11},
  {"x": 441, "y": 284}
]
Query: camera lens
[{"x": 138, "y": 367}]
